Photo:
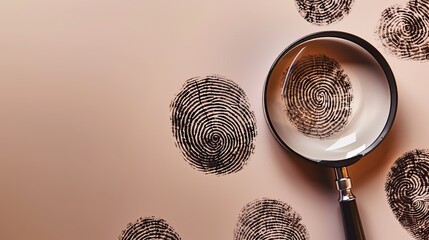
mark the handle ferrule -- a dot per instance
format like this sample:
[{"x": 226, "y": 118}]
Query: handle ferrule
[{"x": 344, "y": 185}]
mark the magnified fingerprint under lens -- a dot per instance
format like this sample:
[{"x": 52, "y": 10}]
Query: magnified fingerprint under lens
[
  {"x": 404, "y": 30},
  {"x": 269, "y": 219},
  {"x": 407, "y": 191},
  {"x": 213, "y": 125},
  {"x": 317, "y": 95},
  {"x": 322, "y": 12},
  {"x": 149, "y": 228}
]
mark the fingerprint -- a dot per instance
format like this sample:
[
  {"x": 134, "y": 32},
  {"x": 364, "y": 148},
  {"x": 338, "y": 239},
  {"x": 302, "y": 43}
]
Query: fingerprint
[
  {"x": 149, "y": 228},
  {"x": 213, "y": 125},
  {"x": 269, "y": 219},
  {"x": 407, "y": 191},
  {"x": 317, "y": 95},
  {"x": 404, "y": 30},
  {"x": 323, "y": 12}
]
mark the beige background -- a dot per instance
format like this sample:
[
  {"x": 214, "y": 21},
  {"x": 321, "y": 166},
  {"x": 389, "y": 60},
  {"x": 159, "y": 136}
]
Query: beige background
[{"x": 85, "y": 137}]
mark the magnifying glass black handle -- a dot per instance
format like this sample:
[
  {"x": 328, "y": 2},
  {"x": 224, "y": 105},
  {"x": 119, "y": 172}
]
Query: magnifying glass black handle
[
  {"x": 351, "y": 220},
  {"x": 352, "y": 225}
]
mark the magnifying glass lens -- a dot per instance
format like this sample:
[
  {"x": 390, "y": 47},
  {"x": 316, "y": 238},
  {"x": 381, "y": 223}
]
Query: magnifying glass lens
[{"x": 328, "y": 99}]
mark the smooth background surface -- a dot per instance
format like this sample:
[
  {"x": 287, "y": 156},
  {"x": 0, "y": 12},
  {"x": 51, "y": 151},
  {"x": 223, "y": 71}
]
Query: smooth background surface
[{"x": 85, "y": 136}]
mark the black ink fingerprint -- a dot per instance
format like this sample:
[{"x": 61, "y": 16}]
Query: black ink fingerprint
[
  {"x": 322, "y": 12},
  {"x": 149, "y": 228},
  {"x": 404, "y": 30},
  {"x": 213, "y": 125},
  {"x": 269, "y": 219},
  {"x": 407, "y": 190},
  {"x": 317, "y": 96}
]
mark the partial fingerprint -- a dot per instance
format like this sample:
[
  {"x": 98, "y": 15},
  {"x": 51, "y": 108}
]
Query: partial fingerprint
[
  {"x": 404, "y": 30},
  {"x": 149, "y": 228},
  {"x": 213, "y": 125},
  {"x": 317, "y": 95},
  {"x": 323, "y": 12},
  {"x": 407, "y": 190},
  {"x": 269, "y": 219}
]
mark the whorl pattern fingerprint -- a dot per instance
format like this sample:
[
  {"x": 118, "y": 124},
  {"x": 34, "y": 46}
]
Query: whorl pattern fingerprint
[
  {"x": 323, "y": 12},
  {"x": 213, "y": 125},
  {"x": 149, "y": 228},
  {"x": 317, "y": 94},
  {"x": 407, "y": 191},
  {"x": 269, "y": 219},
  {"x": 404, "y": 30}
]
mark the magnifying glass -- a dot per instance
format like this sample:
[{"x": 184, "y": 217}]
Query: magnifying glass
[{"x": 331, "y": 98}]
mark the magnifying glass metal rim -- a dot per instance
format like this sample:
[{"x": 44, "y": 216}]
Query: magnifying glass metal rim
[{"x": 389, "y": 76}]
